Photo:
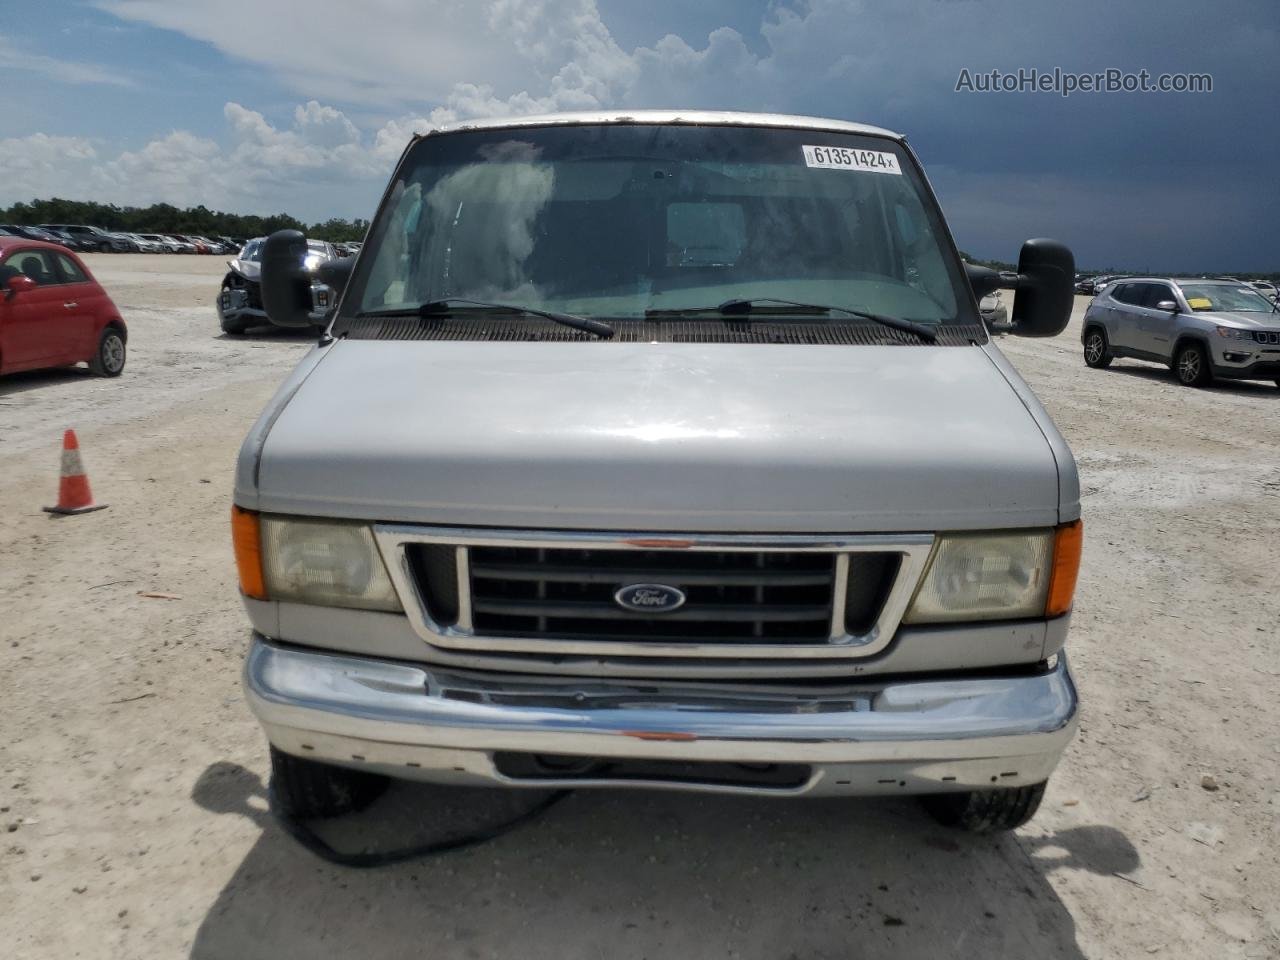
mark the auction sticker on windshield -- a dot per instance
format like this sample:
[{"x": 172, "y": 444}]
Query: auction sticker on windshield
[{"x": 846, "y": 158}]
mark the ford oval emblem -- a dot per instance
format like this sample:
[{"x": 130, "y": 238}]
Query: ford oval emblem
[{"x": 649, "y": 598}]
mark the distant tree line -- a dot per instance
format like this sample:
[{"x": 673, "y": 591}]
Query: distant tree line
[
  {"x": 166, "y": 218},
  {"x": 991, "y": 264}
]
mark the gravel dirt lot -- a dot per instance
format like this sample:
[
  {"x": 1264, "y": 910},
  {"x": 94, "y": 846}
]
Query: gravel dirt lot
[{"x": 133, "y": 776}]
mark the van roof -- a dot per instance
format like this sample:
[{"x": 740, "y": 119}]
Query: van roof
[{"x": 692, "y": 117}]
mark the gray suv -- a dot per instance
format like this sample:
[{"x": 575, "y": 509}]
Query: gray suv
[{"x": 1202, "y": 329}]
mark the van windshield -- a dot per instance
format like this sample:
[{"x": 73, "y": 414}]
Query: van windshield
[{"x": 616, "y": 220}]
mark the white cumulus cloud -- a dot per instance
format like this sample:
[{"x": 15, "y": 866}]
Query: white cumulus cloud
[
  {"x": 320, "y": 165},
  {"x": 39, "y": 165}
]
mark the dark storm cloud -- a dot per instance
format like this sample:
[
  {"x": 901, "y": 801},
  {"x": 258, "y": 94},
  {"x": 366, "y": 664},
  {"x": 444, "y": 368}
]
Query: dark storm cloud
[{"x": 1165, "y": 180}]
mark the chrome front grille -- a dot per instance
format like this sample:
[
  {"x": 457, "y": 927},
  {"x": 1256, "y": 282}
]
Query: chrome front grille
[
  {"x": 1267, "y": 336},
  {"x": 734, "y": 597},
  {"x": 762, "y": 597}
]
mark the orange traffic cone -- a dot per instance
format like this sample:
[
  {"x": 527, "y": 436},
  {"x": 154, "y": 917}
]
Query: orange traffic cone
[{"x": 73, "y": 487}]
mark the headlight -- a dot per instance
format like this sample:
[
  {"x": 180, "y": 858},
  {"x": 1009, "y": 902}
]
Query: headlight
[
  {"x": 328, "y": 562},
  {"x": 989, "y": 576},
  {"x": 1232, "y": 333}
]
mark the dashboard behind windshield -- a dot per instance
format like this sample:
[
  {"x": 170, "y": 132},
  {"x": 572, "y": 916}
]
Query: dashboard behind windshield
[
  {"x": 614, "y": 220},
  {"x": 1225, "y": 298}
]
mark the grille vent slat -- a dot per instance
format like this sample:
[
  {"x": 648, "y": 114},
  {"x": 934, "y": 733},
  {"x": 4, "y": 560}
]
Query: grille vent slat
[
  {"x": 731, "y": 597},
  {"x": 685, "y": 576},
  {"x": 736, "y": 597},
  {"x": 734, "y": 613}
]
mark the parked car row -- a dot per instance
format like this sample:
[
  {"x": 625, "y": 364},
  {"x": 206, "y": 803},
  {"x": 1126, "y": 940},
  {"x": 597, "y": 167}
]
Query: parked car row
[
  {"x": 1094, "y": 285},
  {"x": 1091, "y": 285},
  {"x": 89, "y": 239},
  {"x": 43, "y": 235}
]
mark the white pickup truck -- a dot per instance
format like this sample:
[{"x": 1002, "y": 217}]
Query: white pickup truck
[{"x": 664, "y": 450}]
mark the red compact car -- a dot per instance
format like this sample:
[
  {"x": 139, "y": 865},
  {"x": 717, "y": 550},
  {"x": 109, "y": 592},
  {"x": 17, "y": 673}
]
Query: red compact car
[{"x": 53, "y": 313}]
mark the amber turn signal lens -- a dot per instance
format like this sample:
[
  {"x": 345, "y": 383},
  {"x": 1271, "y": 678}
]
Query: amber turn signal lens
[
  {"x": 247, "y": 540},
  {"x": 1068, "y": 542}
]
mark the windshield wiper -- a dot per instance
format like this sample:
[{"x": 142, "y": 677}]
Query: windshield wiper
[
  {"x": 743, "y": 307},
  {"x": 434, "y": 308}
]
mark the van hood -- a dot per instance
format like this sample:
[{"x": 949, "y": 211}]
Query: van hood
[{"x": 643, "y": 436}]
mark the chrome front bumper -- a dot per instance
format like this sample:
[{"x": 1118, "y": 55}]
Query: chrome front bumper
[{"x": 903, "y": 736}]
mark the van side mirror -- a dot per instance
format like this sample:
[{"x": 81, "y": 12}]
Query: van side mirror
[
  {"x": 1045, "y": 292},
  {"x": 286, "y": 284},
  {"x": 1045, "y": 288}
]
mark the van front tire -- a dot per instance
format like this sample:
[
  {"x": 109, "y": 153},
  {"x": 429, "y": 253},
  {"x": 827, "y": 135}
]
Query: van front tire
[
  {"x": 986, "y": 811},
  {"x": 308, "y": 790}
]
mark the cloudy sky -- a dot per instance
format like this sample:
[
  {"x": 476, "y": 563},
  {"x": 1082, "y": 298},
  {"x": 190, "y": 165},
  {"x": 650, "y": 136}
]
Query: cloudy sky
[{"x": 303, "y": 107}]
